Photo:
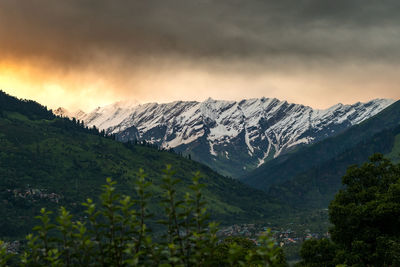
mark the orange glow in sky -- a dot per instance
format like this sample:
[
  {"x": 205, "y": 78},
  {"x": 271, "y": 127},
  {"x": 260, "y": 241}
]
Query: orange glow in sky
[
  {"x": 52, "y": 89},
  {"x": 87, "y": 89}
]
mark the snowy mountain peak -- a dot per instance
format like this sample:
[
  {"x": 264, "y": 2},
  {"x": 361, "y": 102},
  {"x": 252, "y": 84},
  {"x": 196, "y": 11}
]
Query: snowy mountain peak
[
  {"x": 61, "y": 112},
  {"x": 231, "y": 136}
]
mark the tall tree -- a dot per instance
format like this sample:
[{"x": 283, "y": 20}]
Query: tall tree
[
  {"x": 366, "y": 219},
  {"x": 366, "y": 214}
]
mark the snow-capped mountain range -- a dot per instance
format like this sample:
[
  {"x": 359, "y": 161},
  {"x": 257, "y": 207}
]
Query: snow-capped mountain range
[{"x": 229, "y": 136}]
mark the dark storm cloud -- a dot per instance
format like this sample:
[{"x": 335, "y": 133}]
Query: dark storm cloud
[{"x": 73, "y": 32}]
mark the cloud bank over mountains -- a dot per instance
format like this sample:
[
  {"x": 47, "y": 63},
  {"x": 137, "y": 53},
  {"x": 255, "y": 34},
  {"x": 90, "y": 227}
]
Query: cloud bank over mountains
[{"x": 138, "y": 45}]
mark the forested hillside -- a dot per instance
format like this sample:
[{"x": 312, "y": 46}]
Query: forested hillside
[{"x": 48, "y": 161}]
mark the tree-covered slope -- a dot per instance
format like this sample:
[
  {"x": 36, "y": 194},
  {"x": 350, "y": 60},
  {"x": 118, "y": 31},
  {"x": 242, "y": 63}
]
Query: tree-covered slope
[
  {"x": 310, "y": 177},
  {"x": 316, "y": 187},
  {"x": 292, "y": 164},
  {"x": 48, "y": 161}
]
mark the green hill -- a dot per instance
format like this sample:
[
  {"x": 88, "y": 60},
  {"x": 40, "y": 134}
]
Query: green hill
[
  {"x": 310, "y": 176},
  {"x": 48, "y": 161}
]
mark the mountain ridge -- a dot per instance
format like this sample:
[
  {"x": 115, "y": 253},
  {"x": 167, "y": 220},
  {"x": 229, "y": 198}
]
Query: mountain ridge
[
  {"x": 232, "y": 137},
  {"x": 312, "y": 175}
]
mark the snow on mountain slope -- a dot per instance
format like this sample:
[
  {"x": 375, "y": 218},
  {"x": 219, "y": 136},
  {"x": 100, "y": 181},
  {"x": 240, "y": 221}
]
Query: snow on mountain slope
[
  {"x": 230, "y": 136},
  {"x": 65, "y": 113}
]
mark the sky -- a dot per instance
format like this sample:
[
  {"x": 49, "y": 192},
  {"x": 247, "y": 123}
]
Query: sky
[{"x": 81, "y": 54}]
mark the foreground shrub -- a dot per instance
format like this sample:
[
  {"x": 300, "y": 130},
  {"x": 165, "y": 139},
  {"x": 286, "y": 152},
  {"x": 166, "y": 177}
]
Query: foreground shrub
[
  {"x": 114, "y": 233},
  {"x": 316, "y": 253}
]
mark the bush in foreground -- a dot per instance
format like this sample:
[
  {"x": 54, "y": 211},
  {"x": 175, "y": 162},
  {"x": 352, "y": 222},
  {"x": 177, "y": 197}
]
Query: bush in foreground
[{"x": 114, "y": 233}]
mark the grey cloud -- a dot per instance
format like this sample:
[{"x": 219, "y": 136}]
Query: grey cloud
[{"x": 72, "y": 32}]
